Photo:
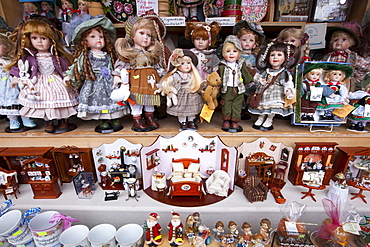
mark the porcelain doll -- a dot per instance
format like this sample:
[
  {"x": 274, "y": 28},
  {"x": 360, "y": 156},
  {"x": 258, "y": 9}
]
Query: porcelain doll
[
  {"x": 218, "y": 231},
  {"x": 66, "y": 11},
  {"x": 247, "y": 231},
  {"x": 47, "y": 10},
  {"x": 153, "y": 235},
  {"x": 298, "y": 38},
  {"x": 234, "y": 75},
  {"x": 91, "y": 73},
  {"x": 181, "y": 85},
  {"x": 360, "y": 116},
  {"x": 203, "y": 36},
  {"x": 336, "y": 79},
  {"x": 43, "y": 93},
  {"x": 9, "y": 105},
  {"x": 205, "y": 233},
  {"x": 265, "y": 229},
  {"x": 343, "y": 38},
  {"x": 310, "y": 98},
  {"x": 275, "y": 82},
  {"x": 189, "y": 9},
  {"x": 251, "y": 37},
  {"x": 142, "y": 53},
  {"x": 175, "y": 230},
  {"x": 30, "y": 9}
]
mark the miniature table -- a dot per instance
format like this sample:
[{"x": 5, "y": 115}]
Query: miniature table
[
  {"x": 359, "y": 194},
  {"x": 157, "y": 180},
  {"x": 261, "y": 167},
  {"x": 309, "y": 192}
]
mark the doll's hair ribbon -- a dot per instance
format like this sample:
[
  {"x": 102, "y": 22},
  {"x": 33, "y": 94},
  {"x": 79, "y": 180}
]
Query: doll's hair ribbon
[{"x": 67, "y": 221}]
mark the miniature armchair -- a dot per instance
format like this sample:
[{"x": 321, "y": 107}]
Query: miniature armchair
[
  {"x": 218, "y": 183},
  {"x": 11, "y": 187},
  {"x": 254, "y": 189}
]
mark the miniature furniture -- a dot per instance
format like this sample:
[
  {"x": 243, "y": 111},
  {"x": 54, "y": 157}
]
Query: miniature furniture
[
  {"x": 158, "y": 181},
  {"x": 254, "y": 189},
  {"x": 360, "y": 186},
  {"x": 70, "y": 160},
  {"x": 278, "y": 173},
  {"x": 348, "y": 157},
  {"x": 42, "y": 178},
  {"x": 185, "y": 179},
  {"x": 261, "y": 162},
  {"x": 218, "y": 183},
  {"x": 309, "y": 192},
  {"x": 8, "y": 183},
  {"x": 278, "y": 196},
  {"x": 312, "y": 157},
  {"x": 14, "y": 157}
]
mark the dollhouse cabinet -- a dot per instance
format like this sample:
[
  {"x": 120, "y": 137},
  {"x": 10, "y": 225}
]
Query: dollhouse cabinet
[
  {"x": 352, "y": 161},
  {"x": 42, "y": 178},
  {"x": 312, "y": 160},
  {"x": 71, "y": 160},
  {"x": 15, "y": 156}
]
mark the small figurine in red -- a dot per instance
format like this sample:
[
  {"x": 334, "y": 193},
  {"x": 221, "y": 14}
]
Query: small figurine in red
[
  {"x": 153, "y": 235},
  {"x": 175, "y": 230},
  {"x": 66, "y": 11},
  {"x": 247, "y": 232},
  {"x": 343, "y": 38}
]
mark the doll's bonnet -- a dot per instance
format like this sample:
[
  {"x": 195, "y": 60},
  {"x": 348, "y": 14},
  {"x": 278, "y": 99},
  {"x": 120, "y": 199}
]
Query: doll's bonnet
[
  {"x": 133, "y": 19},
  {"x": 348, "y": 70},
  {"x": 102, "y": 22},
  {"x": 177, "y": 56},
  {"x": 353, "y": 28}
]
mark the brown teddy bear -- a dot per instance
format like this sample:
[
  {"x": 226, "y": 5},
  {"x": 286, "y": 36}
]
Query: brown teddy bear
[{"x": 210, "y": 94}]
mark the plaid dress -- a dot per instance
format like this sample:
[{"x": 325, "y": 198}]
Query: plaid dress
[{"x": 272, "y": 100}]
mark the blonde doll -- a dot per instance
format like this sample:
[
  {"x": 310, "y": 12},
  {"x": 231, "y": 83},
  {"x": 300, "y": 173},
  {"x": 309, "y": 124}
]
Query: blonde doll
[
  {"x": 30, "y": 9},
  {"x": 182, "y": 84},
  {"x": 9, "y": 105},
  {"x": 335, "y": 78},
  {"x": 38, "y": 68},
  {"x": 203, "y": 36},
  {"x": 142, "y": 53},
  {"x": 66, "y": 11},
  {"x": 298, "y": 38},
  {"x": 91, "y": 72}
]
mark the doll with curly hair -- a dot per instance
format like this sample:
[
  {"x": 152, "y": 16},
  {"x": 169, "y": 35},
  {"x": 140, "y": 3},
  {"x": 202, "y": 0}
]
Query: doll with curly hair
[
  {"x": 298, "y": 38},
  {"x": 91, "y": 73}
]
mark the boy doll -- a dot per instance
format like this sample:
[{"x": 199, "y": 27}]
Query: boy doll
[
  {"x": 235, "y": 76},
  {"x": 343, "y": 37}
]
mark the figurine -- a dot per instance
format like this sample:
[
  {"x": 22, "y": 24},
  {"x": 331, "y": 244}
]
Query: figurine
[
  {"x": 205, "y": 233},
  {"x": 181, "y": 85},
  {"x": 218, "y": 231},
  {"x": 153, "y": 236},
  {"x": 43, "y": 93},
  {"x": 251, "y": 37},
  {"x": 66, "y": 12},
  {"x": 189, "y": 9},
  {"x": 335, "y": 79},
  {"x": 203, "y": 36},
  {"x": 142, "y": 53},
  {"x": 258, "y": 240},
  {"x": 247, "y": 232},
  {"x": 265, "y": 229},
  {"x": 91, "y": 73},
  {"x": 342, "y": 38},
  {"x": 30, "y": 9},
  {"x": 359, "y": 117},
  {"x": 274, "y": 84},
  {"x": 233, "y": 227},
  {"x": 235, "y": 76},
  {"x": 47, "y": 9},
  {"x": 175, "y": 230},
  {"x": 131, "y": 186},
  {"x": 312, "y": 90},
  {"x": 298, "y": 38},
  {"x": 9, "y": 105}
]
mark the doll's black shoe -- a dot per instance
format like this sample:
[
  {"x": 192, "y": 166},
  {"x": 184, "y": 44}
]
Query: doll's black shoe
[
  {"x": 183, "y": 126},
  {"x": 360, "y": 127},
  {"x": 304, "y": 117},
  {"x": 271, "y": 127},
  {"x": 225, "y": 125},
  {"x": 257, "y": 127},
  {"x": 192, "y": 125},
  {"x": 310, "y": 118},
  {"x": 352, "y": 127},
  {"x": 235, "y": 127},
  {"x": 116, "y": 125}
]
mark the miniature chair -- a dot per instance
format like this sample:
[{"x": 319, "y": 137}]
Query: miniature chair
[
  {"x": 254, "y": 189},
  {"x": 12, "y": 187},
  {"x": 218, "y": 183},
  {"x": 278, "y": 172}
]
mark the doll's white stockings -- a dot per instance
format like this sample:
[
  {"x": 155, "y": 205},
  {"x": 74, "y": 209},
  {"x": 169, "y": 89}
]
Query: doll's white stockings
[
  {"x": 269, "y": 120},
  {"x": 260, "y": 120}
]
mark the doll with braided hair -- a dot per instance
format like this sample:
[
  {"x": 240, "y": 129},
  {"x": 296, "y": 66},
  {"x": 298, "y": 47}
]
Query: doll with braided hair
[
  {"x": 203, "y": 36},
  {"x": 38, "y": 70},
  {"x": 275, "y": 83},
  {"x": 298, "y": 38},
  {"x": 91, "y": 73},
  {"x": 141, "y": 53}
]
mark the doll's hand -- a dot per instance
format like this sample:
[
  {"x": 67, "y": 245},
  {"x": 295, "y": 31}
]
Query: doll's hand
[
  {"x": 116, "y": 81},
  {"x": 14, "y": 82}
]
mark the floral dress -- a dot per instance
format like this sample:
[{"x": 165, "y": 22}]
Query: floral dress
[
  {"x": 95, "y": 102},
  {"x": 8, "y": 96}
]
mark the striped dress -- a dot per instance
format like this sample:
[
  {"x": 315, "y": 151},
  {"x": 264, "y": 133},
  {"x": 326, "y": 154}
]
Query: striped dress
[{"x": 57, "y": 100}]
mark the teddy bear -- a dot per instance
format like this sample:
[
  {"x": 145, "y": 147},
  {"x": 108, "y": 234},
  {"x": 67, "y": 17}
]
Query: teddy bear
[{"x": 210, "y": 94}]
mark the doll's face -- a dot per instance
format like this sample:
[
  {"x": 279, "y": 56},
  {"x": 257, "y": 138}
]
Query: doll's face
[
  {"x": 66, "y": 5},
  {"x": 336, "y": 76},
  {"x": 313, "y": 75},
  {"x": 340, "y": 43},
  {"x": 45, "y": 6},
  {"x": 142, "y": 38},
  {"x": 293, "y": 40},
  {"x": 40, "y": 42},
  {"x": 95, "y": 40},
  {"x": 29, "y": 7},
  {"x": 82, "y": 6},
  {"x": 248, "y": 41},
  {"x": 276, "y": 59},
  {"x": 231, "y": 54},
  {"x": 201, "y": 44},
  {"x": 185, "y": 66}
]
